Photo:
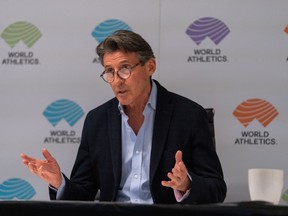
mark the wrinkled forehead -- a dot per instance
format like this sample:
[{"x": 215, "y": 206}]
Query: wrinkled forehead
[{"x": 119, "y": 57}]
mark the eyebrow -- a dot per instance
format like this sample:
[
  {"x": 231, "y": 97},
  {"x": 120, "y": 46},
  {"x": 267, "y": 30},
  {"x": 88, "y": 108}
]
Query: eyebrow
[{"x": 120, "y": 63}]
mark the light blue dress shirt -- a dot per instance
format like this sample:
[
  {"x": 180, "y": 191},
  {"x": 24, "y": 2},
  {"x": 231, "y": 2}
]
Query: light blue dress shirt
[{"x": 136, "y": 149}]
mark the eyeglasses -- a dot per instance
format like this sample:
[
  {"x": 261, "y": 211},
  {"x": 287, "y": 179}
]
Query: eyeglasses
[{"x": 124, "y": 73}]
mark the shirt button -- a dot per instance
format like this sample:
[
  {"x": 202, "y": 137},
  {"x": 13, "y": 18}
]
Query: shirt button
[
  {"x": 137, "y": 152},
  {"x": 135, "y": 176}
]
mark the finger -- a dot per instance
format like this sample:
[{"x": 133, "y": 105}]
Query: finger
[
  {"x": 26, "y": 157},
  {"x": 181, "y": 167},
  {"x": 165, "y": 183},
  {"x": 168, "y": 183},
  {"x": 178, "y": 156},
  {"x": 47, "y": 155},
  {"x": 177, "y": 172},
  {"x": 173, "y": 178},
  {"x": 25, "y": 162},
  {"x": 32, "y": 167}
]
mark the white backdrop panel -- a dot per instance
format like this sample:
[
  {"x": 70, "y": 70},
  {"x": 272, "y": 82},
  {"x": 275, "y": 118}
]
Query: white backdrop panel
[{"x": 256, "y": 49}]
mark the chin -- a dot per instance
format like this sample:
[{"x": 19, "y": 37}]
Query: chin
[{"x": 123, "y": 101}]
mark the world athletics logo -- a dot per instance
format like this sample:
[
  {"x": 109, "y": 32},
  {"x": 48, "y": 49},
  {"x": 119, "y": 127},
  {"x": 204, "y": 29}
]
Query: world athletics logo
[
  {"x": 20, "y": 32},
  {"x": 16, "y": 188},
  {"x": 207, "y": 27},
  {"x": 63, "y": 109},
  {"x": 57, "y": 111},
  {"x": 105, "y": 29},
  {"x": 255, "y": 109}
]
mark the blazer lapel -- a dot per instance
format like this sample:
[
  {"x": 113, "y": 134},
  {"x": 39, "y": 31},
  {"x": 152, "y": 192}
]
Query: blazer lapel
[
  {"x": 161, "y": 128},
  {"x": 114, "y": 124}
]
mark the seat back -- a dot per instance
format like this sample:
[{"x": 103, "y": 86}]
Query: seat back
[{"x": 210, "y": 113}]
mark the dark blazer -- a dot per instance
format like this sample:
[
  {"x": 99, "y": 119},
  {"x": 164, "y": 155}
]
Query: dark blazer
[{"x": 180, "y": 124}]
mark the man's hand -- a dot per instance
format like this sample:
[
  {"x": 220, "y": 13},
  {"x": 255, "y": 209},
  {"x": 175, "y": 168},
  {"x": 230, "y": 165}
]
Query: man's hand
[
  {"x": 47, "y": 169},
  {"x": 178, "y": 176}
]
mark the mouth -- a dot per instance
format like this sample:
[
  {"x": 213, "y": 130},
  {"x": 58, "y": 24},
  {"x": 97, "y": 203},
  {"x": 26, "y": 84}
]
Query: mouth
[{"x": 122, "y": 92}]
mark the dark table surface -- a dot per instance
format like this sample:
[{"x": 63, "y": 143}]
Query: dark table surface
[{"x": 81, "y": 208}]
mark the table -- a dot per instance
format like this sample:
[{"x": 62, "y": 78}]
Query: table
[{"x": 81, "y": 208}]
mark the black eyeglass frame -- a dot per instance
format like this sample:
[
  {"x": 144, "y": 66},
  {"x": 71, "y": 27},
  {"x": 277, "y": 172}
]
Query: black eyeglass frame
[{"x": 129, "y": 69}]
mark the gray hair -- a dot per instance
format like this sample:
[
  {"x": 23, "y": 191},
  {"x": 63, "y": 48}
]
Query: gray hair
[{"x": 127, "y": 41}]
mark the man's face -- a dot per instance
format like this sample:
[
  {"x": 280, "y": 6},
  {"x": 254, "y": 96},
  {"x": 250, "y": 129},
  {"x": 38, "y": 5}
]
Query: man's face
[{"x": 131, "y": 91}]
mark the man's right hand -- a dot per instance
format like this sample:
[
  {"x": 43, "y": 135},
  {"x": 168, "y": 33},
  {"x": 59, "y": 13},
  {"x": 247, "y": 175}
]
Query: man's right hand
[{"x": 48, "y": 169}]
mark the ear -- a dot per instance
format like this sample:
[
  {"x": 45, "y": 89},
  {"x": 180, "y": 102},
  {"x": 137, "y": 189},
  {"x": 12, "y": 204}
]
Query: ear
[{"x": 151, "y": 65}]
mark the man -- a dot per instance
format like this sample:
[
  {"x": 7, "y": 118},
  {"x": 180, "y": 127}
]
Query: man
[{"x": 146, "y": 145}]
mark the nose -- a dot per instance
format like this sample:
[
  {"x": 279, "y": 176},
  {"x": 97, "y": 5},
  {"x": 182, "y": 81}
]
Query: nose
[{"x": 118, "y": 78}]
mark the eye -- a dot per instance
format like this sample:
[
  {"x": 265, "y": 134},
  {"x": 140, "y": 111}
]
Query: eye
[
  {"x": 109, "y": 70},
  {"x": 126, "y": 66}
]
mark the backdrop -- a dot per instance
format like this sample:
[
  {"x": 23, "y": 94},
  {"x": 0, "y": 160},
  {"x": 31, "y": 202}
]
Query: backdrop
[{"x": 226, "y": 54}]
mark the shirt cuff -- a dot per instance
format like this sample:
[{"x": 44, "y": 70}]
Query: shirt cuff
[
  {"x": 179, "y": 195},
  {"x": 59, "y": 191}
]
